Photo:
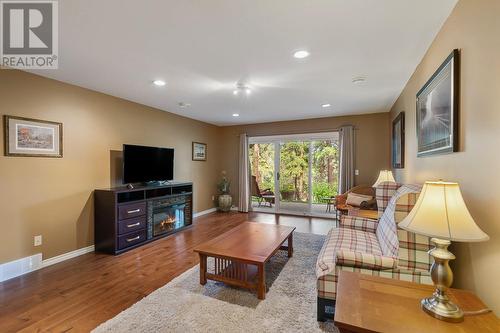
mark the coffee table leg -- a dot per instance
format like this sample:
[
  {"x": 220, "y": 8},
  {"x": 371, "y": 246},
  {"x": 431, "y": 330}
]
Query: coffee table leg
[
  {"x": 290, "y": 245},
  {"x": 261, "y": 287},
  {"x": 203, "y": 269}
]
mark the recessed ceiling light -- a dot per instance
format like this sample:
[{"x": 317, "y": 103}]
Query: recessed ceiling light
[
  {"x": 159, "y": 83},
  {"x": 327, "y": 105},
  {"x": 301, "y": 54},
  {"x": 240, "y": 87},
  {"x": 236, "y": 114},
  {"x": 359, "y": 79}
]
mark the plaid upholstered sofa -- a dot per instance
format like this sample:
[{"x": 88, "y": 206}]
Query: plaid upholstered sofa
[{"x": 374, "y": 247}]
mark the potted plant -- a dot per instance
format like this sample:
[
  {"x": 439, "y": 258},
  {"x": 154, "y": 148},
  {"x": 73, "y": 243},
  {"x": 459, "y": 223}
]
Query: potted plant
[{"x": 225, "y": 199}]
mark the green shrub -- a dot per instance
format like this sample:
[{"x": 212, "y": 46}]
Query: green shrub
[{"x": 323, "y": 190}]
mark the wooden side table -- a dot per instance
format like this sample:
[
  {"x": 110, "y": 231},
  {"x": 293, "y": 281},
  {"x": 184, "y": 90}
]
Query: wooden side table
[{"x": 368, "y": 303}]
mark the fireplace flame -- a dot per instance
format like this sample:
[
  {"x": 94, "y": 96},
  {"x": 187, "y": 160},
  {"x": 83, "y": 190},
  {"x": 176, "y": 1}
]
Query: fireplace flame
[{"x": 167, "y": 221}]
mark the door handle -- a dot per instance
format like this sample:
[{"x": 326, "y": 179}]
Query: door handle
[{"x": 278, "y": 175}]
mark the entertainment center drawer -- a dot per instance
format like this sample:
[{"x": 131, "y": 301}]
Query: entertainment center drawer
[
  {"x": 131, "y": 210},
  {"x": 131, "y": 239},
  {"x": 130, "y": 225}
]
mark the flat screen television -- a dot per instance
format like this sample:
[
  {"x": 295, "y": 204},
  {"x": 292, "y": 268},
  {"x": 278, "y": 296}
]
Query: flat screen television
[{"x": 143, "y": 164}]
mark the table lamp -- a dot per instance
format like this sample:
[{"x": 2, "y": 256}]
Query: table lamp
[
  {"x": 384, "y": 176},
  {"x": 440, "y": 213}
]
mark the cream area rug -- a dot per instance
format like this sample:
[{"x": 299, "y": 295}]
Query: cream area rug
[{"x": 183, "y": 305}]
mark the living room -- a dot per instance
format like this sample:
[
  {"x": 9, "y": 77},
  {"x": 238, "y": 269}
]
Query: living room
[{"x": 184, "y": 166}]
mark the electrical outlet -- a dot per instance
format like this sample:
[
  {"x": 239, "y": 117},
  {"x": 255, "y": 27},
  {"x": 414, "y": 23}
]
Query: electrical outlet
[
  {"x": 38, "y": 240},
  {"x": 356, "y": 172},
  {"x": 213, "y": 197}
]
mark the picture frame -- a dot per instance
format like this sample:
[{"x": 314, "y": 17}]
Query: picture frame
[
  {"x": 29, "y": 137},
  {"x": 199, "y": 151},
  {"x": 398, "y": 141},
  {"x": 437, "y": 109}
]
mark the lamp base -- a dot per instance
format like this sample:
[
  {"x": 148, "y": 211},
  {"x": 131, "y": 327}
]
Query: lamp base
[
  {"x": 439, "y": 305},
  {"x": 442, "y": 309}
]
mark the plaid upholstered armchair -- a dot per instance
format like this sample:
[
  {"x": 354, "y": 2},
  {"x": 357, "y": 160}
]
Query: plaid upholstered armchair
[{"x": 374, "y": 247}]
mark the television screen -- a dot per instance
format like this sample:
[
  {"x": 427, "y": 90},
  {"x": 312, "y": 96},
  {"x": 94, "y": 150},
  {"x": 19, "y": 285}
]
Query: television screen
[{"x": 146, "y": 164}]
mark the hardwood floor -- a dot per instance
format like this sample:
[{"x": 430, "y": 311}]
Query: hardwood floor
[{"x": 79, "y": 294}]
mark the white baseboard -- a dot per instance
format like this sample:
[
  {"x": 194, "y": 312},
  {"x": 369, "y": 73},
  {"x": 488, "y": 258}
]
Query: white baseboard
[
  {"x": 19, "y": 267},
  {"x": 205, "y": 212},
  {"x": 211, "y": 210},
  {"x": 32, "y": 263},
  {"x": 68, "y": 255}
]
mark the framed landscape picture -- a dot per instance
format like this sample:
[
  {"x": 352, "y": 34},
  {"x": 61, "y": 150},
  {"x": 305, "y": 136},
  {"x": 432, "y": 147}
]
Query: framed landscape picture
[
  {"x": 32, "y": 137},
  {"x": 398, "y": 141},
  {"x": 199, "y": 151},
  {"x": 437, "y": 109}
]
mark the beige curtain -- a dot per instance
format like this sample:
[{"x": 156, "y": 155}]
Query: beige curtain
[
  {"x": 244, "y": 179},
  {"x": 346, "y": 178}
]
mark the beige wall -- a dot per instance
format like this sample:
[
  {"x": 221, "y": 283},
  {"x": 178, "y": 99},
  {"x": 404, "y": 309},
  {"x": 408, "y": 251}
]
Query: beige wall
[
  {"x": 53, "y": 197},
  {"x": 371, "y": 136},
  {"x": 474, "y": 28}
]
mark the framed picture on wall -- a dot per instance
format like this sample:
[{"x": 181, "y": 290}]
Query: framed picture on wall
[
  {"x": 32, "y": 137},
  {"x": 199, "y": 151},
  {"x": 437, "y": 109},
  {"x": 398, "y": 141}
]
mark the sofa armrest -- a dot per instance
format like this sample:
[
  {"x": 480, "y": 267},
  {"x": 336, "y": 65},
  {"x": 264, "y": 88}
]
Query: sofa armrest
[
  {"x": 364, "y": 260},
  {"x": 358, "y": 223}
]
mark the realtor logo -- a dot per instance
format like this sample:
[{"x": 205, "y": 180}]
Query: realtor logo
[{"x": 29, "y": 34}]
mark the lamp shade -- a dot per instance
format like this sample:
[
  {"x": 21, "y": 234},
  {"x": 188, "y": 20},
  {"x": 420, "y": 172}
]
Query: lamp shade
[
  {"x": 440, "y": 212},
  {"x": 384, "y": 176}
]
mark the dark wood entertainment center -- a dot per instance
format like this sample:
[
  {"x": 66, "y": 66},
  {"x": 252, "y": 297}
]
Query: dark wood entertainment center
[{"x": 127, "y": 218}]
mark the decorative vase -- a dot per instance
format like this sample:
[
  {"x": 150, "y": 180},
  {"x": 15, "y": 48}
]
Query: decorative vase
[{"x": 225, "y": 202}]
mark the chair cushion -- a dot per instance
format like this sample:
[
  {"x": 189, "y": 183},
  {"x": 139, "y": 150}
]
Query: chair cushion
[
  {"x": 364, "y": 260},
  {"x": 358, "y": 223},
  {"x": 339, "y": 239}
]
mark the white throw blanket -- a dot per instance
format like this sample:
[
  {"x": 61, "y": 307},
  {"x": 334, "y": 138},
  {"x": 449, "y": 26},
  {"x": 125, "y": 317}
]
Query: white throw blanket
[{"x": 387, "y": 231}]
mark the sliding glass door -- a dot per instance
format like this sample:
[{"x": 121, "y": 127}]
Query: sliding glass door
[
  {"x": 294, "y": 174},
  {"x": 324, "y": 174},
  {"x": 263, "y": 179}
]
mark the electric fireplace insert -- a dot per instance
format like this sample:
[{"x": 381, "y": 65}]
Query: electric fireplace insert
[{"x": 168, "y": 215}]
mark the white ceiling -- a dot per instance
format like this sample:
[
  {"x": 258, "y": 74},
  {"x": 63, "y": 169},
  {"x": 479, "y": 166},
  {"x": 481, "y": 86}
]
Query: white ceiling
[{"x": 203, "y": 47}]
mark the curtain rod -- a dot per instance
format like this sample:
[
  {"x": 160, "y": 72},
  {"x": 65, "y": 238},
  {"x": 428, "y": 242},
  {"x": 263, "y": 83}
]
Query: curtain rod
[{"x": 308, "y": 132}]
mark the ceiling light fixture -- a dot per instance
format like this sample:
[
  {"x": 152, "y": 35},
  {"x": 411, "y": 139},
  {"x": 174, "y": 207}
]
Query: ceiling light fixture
[
  {"x": 327, "y": 105},
  {"x": 301, "y": 54},
  {"x": 184, "y": 105},
  {"x": 236, "y": 114},
  {"x": 240, "y": 87},
  {"x": 159, "y": 83},
  {"x": 359, "y": 79}
]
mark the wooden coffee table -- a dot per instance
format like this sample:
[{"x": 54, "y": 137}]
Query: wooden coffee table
[{"x": 240, "y": 255}]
